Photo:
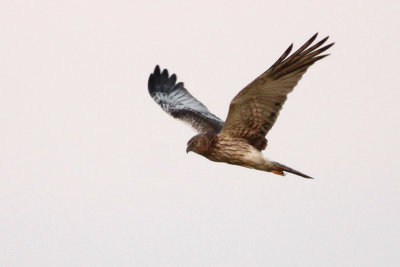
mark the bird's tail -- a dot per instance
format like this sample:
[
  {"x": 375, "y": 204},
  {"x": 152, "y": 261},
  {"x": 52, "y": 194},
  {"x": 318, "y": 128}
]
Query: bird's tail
[{"x": 279, "y": 169}]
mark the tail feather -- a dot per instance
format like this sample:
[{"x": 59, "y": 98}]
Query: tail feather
[{"x": 280, "y": 168}]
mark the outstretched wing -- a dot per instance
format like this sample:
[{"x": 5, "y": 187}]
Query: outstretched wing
[
  {"x": 179, "y": 103},
  {"x": 253, "y": 112}
]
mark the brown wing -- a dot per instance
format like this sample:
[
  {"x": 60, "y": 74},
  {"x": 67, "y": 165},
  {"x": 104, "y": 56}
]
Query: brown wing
[{"x": 253, "y": 111}]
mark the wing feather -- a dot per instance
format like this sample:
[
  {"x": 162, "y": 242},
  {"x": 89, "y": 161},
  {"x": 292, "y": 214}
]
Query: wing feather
[
  {"x": 179, "y": 103},
  {"x": 253, "y": 111}
]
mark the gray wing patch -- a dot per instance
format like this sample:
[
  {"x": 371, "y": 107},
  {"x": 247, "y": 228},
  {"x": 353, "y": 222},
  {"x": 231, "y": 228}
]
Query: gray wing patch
[{"x": 179, "y": 103}]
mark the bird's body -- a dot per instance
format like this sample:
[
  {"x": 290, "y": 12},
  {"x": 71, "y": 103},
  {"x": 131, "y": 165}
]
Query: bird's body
[
  {"x": 237, "y": 151},
  {"x": 241, "y": 138},
  {"x": 234, "y": 151}
]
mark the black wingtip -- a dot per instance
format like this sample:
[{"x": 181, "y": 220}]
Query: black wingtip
[
  {"x": 157, "y": 70},
  {"x": 160, "y": 81},
  {"x": 150, "y": 84}
]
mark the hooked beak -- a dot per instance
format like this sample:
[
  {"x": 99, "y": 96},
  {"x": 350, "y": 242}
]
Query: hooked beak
[{"x": 188, "y": 149}]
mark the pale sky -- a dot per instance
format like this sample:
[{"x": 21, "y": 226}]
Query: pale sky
[{"x": 94, "y": 173}]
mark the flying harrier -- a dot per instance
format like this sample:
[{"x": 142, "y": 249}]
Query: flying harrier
[{"x": 252, "y": 112}]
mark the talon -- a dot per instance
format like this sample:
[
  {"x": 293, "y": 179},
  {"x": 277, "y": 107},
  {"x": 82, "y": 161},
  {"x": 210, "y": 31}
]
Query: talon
[{"x": 278, "y": 172}]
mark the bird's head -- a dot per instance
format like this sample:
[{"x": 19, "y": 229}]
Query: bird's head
[{"x": 198, "y": 144}]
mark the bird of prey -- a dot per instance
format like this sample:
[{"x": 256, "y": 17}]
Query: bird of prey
[{"x": 252, "y": 112}]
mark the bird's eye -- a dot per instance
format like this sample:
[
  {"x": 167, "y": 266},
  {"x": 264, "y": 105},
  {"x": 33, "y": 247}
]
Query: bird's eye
[{"x": 195, "y": 143}]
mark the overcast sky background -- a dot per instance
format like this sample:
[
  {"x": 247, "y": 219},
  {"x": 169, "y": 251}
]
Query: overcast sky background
[{"x": 94, "y": 173}]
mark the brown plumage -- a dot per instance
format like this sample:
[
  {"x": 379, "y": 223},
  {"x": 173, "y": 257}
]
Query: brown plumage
[{"x": 252, "y": 112}]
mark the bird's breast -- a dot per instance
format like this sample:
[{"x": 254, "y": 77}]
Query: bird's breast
[{"x": 230, "y": 150}]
